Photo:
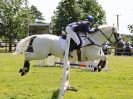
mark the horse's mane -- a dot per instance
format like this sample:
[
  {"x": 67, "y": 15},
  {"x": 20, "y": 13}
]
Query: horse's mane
[
  {"x": 101, "y": 27},
  {"x": 104, "y": 26}
]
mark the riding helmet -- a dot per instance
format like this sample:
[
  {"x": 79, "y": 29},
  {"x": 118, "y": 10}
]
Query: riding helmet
[{"x": 90, "y": 18}]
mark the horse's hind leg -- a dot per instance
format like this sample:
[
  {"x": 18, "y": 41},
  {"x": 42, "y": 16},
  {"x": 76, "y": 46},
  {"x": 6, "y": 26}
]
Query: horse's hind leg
[
  {"x": 28, "y": 56},
  {"x": 25, "y": 69}
]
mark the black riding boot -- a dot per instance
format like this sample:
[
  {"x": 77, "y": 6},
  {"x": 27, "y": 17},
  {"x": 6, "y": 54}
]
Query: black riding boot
[{"x": 73, "y": 45}]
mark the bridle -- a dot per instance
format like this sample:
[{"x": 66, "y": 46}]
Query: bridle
[
  {"x": 117, "y": 39},
  {"x": 116, "y": 35}
]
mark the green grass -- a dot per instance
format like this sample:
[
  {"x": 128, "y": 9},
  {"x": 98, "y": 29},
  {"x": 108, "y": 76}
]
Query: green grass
[{"x": 44, "y": 82}]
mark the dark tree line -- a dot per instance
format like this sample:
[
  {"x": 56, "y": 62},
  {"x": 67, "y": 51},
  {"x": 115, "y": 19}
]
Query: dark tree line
[{"x": 15, "y": 15}]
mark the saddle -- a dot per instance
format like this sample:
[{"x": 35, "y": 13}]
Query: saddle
[{"x": 73, "y": 45}]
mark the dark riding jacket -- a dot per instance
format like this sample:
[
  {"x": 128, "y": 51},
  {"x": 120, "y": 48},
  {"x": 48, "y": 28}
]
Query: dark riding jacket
[{"x": 83, "y": 27}]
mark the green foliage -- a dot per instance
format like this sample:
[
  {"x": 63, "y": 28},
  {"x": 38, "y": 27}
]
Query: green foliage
[
  {"x": 13, "y": 19},
  {"x": 44, "y": 82},
  {"x": 91, "y": 7},
  {"x": 37, "y": 14},
  {"x": 15, "y": 16},
  {"x": 66, "y": 12},
  {"x": 73, "y": 10}
]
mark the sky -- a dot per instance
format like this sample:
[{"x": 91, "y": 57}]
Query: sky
[{"x": 123, "y": 8}]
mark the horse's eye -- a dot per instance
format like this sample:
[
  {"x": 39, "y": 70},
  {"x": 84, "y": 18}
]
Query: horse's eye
[{"x": 117, "y": 34}]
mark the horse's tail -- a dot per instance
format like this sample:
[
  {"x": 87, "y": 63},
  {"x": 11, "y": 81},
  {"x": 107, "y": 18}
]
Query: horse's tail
[{"x": 23, "y": 45}]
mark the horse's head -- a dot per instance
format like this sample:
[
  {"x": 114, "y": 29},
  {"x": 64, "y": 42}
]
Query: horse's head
[
  {"x": 112, "y": 35},
  {"x": 119, "y": 41}
]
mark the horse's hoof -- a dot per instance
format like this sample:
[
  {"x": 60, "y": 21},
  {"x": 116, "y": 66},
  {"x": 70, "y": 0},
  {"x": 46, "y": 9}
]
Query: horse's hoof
[
  {"x": 95, "y": 69},
  {"x": 99, "y": 69},
  {"x": 22, "y": 74},
  {"x": 20, "y": 70},
  {"x": 27, "y": 70}
]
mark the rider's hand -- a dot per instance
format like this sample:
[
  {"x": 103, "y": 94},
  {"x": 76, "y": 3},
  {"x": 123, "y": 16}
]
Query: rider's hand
[
  {"x": 96, "y": 26},
  {"x": 96, "y": 29}
]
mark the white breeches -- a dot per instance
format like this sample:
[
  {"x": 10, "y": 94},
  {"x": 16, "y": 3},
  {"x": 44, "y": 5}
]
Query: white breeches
[{"x": 73, "y": 35}]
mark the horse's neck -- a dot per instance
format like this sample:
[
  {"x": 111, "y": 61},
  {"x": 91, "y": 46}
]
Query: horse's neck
[{"x": 96, "y": 38}]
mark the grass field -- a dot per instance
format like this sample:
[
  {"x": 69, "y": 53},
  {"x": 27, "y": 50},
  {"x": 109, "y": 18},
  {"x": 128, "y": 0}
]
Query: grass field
[{"x": 44, "y": 82}]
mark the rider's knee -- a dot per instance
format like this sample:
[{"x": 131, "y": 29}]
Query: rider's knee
[{"x": 68, "y": 29}]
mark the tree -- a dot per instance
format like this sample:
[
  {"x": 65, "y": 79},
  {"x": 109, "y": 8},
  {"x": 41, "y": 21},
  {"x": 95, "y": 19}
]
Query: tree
[
  {"x": 72, "y": 10},
  {"x": 37, "y": 14},
  {"x": 91, "y": 7},
  {"x": 14, "y": 19},
  {"x": 66, "y": 12}
]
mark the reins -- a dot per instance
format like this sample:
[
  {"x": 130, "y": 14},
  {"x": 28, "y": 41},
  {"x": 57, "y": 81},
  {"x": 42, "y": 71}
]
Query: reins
[{"x": 108, "y": 38}]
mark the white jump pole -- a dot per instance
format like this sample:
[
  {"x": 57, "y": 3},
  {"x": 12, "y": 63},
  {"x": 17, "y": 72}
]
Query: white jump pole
[
  {"x": 40, "y": 62},
  {"x": 66, "y": 72}
]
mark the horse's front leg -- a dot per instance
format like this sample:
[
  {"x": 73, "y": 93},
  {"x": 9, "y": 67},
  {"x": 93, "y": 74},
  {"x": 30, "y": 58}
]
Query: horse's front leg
[
  {"x": 101, "y": 65},
  {"x": 25, "y": 69}
]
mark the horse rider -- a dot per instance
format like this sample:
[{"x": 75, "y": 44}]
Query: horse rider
[{"x": 75, "y": 28}]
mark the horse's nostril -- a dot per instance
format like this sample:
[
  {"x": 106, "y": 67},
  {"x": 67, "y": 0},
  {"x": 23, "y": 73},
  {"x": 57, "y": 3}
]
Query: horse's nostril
[{"x": 120, "y": 44}]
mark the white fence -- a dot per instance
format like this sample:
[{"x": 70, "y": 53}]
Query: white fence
[{"x": 54, "y": 61}]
